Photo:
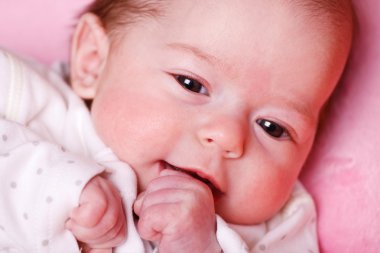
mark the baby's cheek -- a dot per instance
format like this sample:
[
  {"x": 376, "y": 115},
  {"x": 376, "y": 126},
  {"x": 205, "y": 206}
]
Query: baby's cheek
[
  {"x": 256, "y": 199},
  {"x": 128, "y": 122},
  {"x": 110, "y": 119}
]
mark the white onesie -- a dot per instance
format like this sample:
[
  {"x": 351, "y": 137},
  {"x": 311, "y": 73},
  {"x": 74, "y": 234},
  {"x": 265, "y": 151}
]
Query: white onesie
[{"x": 49, "y": 150}]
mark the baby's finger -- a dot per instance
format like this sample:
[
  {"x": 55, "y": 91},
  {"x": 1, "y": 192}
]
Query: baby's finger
[
  {"x": 138, "y": 203},
  {"x": 88, "y": 249},
  {"x": 100, "y": 251},
  {"x": 110, "y": 224},
  {"x": 152, "y": 226},
  {"x": 92, "y": 204},
  {"x": 112, "y": 238},
  {"x": 113, "y": 217},
  {"x": 175, "y": 180}
]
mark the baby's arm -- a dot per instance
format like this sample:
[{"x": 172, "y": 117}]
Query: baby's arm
[{"x": 177, "y": 213}]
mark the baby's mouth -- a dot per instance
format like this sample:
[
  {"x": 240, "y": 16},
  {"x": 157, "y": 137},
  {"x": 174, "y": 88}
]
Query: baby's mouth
[{"x": 214, "y": 189}]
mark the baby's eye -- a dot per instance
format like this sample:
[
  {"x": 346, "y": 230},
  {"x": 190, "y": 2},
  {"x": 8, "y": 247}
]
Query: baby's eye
[
  {"x": 273, "y": 129},
  {"x": 191, "y": 84}
]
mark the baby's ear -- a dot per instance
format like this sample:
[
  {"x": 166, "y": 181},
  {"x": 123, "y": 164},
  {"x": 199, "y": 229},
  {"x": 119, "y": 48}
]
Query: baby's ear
[{"x": 89, "y": 52}]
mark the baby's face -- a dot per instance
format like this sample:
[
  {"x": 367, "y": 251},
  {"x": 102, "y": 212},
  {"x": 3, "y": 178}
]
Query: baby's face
[{"x": 231, "y": 92}]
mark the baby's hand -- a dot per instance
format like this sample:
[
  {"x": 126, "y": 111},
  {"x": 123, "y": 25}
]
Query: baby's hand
[
  {"x": 177, "y": 212},
  {"x": 98, "y": 222}
]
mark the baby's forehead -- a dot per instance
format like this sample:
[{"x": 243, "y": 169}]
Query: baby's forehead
[{"x": 114, "y": 11}]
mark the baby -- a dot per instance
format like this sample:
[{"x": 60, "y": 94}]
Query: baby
[{"x": 214, "y": 105}]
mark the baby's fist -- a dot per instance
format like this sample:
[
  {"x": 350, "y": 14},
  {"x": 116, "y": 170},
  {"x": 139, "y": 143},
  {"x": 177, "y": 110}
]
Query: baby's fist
[{"x": 99, "y": 221}]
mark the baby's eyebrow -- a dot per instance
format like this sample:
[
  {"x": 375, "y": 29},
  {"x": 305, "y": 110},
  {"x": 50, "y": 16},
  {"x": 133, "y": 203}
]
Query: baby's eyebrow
[
  {"x": 203, "y": 56},
  {"x": 301, "y": 108},
  {"x": 197, "y": 52}
]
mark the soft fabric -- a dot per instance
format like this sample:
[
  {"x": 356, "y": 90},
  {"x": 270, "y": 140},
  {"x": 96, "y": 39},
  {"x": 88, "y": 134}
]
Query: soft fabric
[
  {"x": 343, "y": 172},
  {"x": 292, "y": 230},
  {"x": 40, "y": 29}
]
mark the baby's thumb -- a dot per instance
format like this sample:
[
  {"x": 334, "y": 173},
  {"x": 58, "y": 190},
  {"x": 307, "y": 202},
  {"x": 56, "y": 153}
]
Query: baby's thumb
[
  {"x": 89, "y": 250},
  {"x": 138, "y": 203},
  {"x": 87, "y": 215},
  {"x": 100, "y": 251}
]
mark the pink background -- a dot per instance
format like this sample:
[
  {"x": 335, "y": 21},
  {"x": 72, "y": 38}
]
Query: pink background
[
  {"x": 39, "y": 28},
  {"x": 343, "y": 172}
]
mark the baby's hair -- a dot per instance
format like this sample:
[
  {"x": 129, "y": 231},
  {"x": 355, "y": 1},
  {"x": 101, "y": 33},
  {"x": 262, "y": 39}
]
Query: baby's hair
[
  {"x": 338, "y": 13},
  {"x": 333, "y": 15},
  {"x": 335, "y": 8},
  {"x": 119, "y": 13}
]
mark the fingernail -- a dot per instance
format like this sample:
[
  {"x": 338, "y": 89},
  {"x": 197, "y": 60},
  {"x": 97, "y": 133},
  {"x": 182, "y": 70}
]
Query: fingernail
[{"x": 138, "y": 202}]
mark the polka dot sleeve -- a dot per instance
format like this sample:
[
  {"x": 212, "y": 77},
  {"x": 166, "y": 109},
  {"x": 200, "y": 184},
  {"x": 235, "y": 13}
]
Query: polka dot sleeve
[{"x": 40, "y": 185}]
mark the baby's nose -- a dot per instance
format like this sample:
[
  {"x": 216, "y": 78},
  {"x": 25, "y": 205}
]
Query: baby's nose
[{"x": 226, "y": 133}]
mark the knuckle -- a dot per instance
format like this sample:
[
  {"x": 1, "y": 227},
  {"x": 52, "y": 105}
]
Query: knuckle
[
  {"x": 114, "y": 218},
  {"x": 121, "y": 237},
  {"x": 143, "y": 228},
  {"x": 101, "y": 204},
  {"x": 111, "y": 219}
]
